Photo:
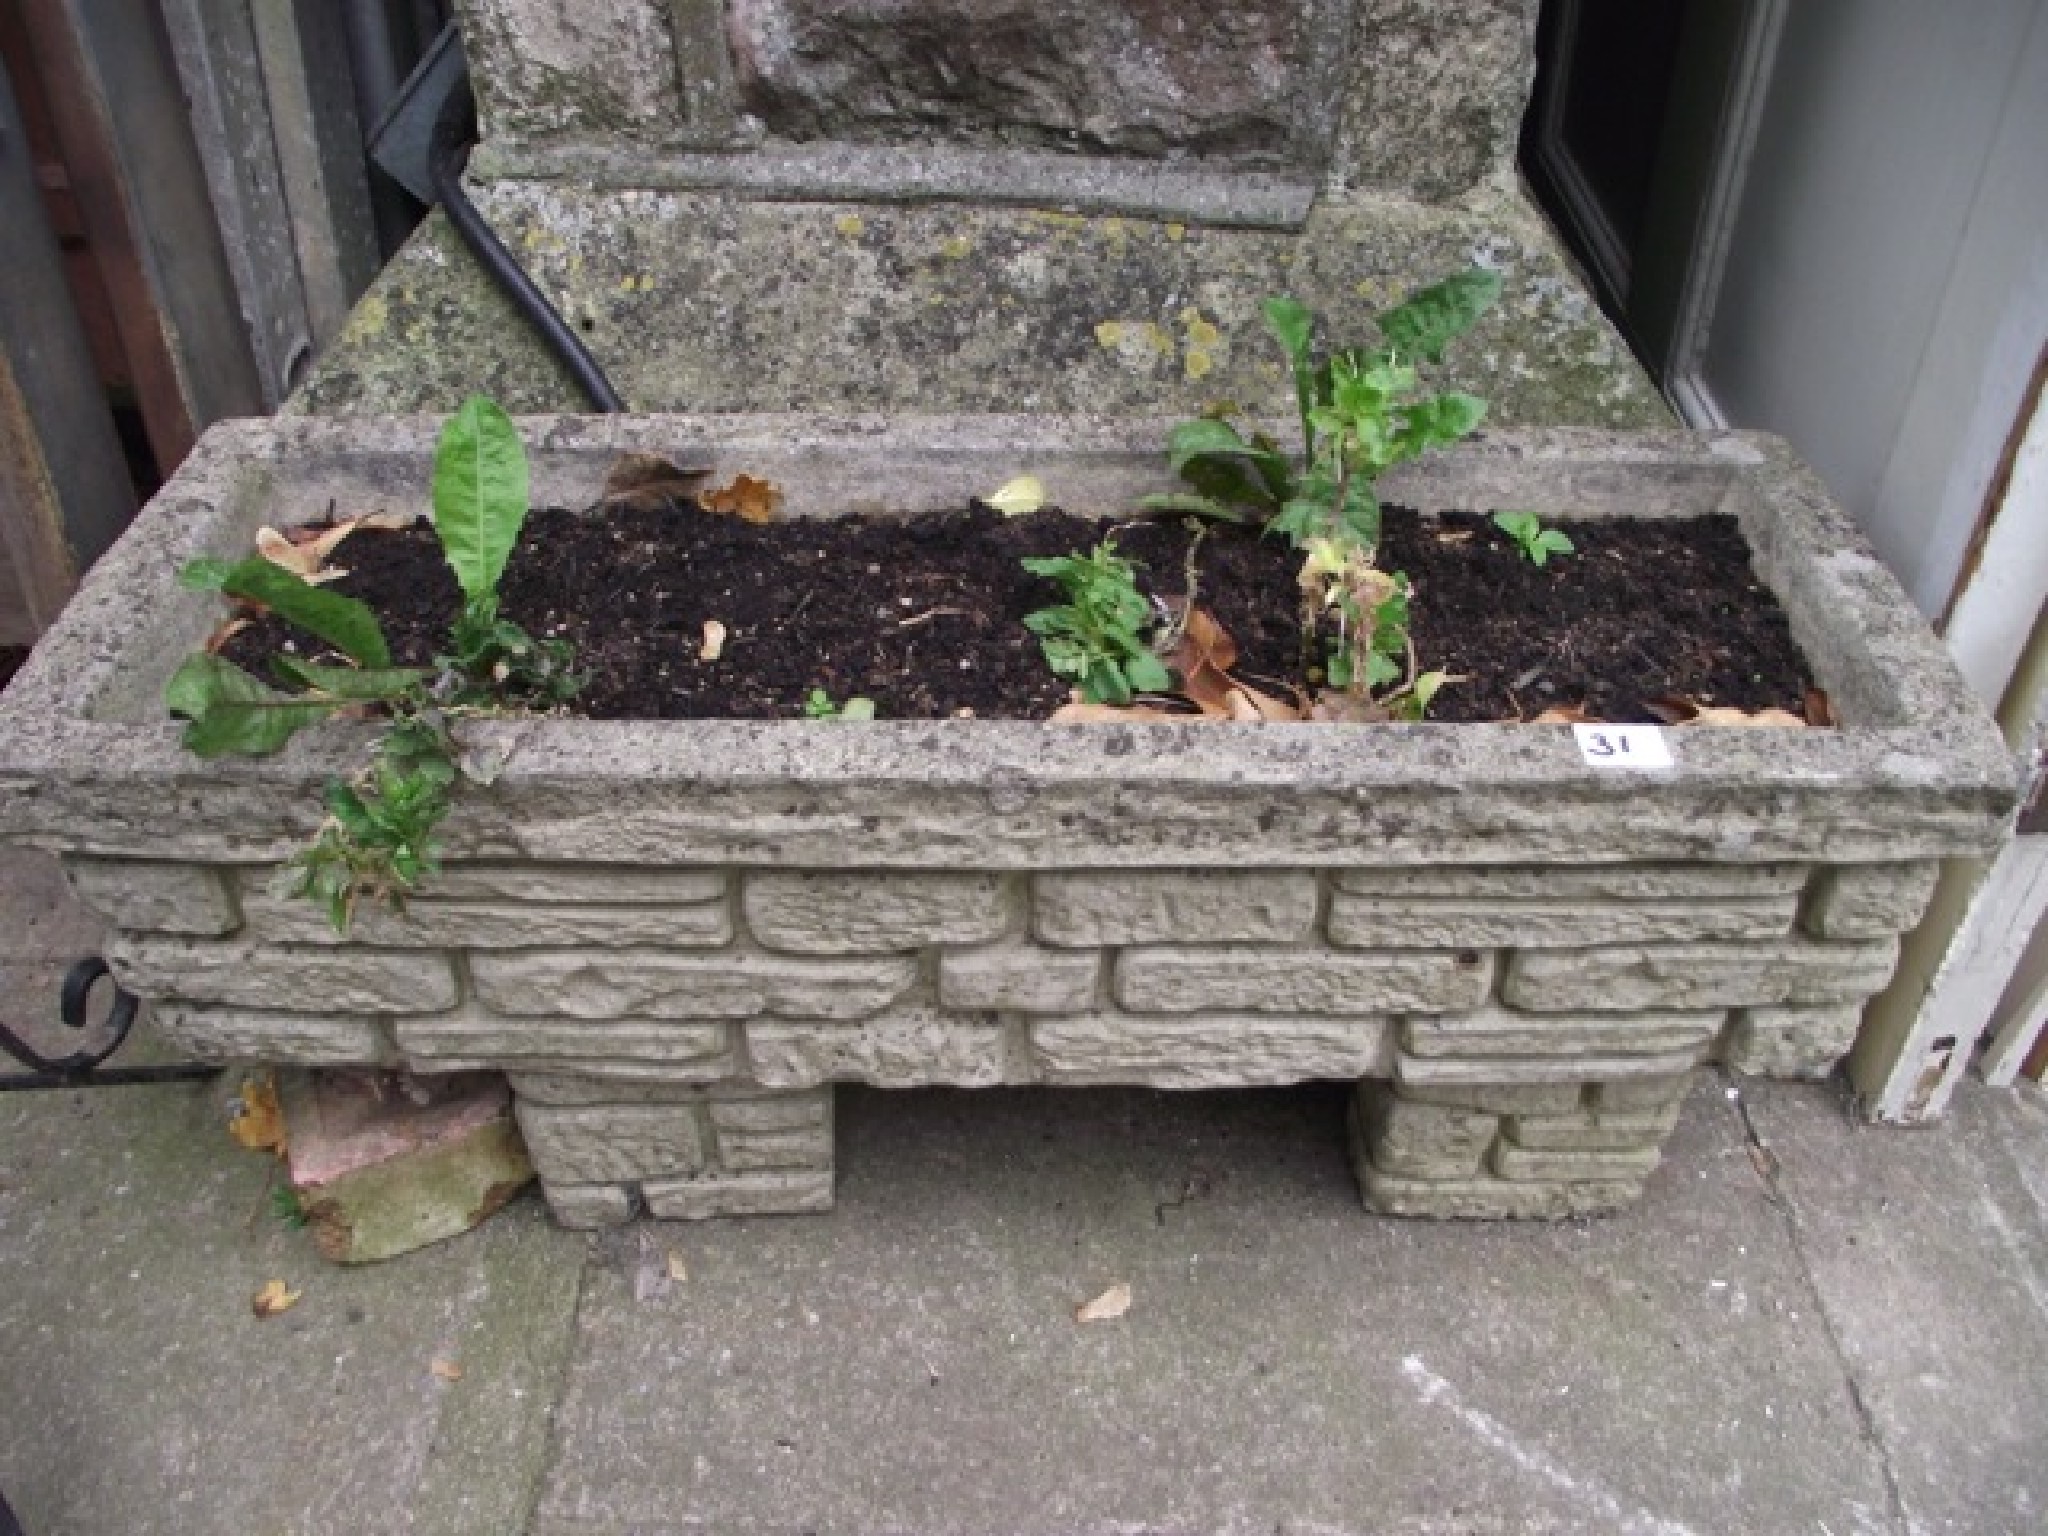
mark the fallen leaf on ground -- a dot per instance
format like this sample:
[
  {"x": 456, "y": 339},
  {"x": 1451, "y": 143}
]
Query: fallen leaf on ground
[
  {"x": 275, "y": 1297},
  {"x": 258, "y": 1121},
  {"x": 305, "y": 556},
  {"x": 1015, "y": 498},
  {"x": 1203, "y": 660},
  {"x": 748, "y": 499},
  {"x": 646, "y": 482},
  {"x": 1677, "y": 709},
  {"x": 1564, "y": 714},
  {"x": 447, "y": 1370},
  {"x": 714, "y": 641},
  {"x": 1110, "y": 1305}
]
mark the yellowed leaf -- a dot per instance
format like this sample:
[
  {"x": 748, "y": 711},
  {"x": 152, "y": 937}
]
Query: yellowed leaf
[
  {"x": 447, "y": 1370},
  {"x": 275, "y": 1297},
  {"x": 1110, "y": 1305},
  {"x": 258, "y": 1121},
  {"x": 748, "y": 499},
  {"x": 714, "y": 641},
  {"x": 1015, "y": 498},
  {"x": 305, "y": 556},
  {"x": 648, "y": 481}
]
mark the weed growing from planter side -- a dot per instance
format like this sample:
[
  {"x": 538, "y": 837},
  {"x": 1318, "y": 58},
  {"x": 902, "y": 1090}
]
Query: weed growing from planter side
[{"x": 379, "y": 838}]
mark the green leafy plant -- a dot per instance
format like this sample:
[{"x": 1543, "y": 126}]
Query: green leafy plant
[
  {"x": 1536, "y": 542},
  {"x": 379, "y": 837},
  {"x": 287, "y": 1208},
  {"x": 1371, "y": 654},
  {"x": 818, "y": 705},
  {"x": 1096, "y": 637},
  {"x": 1361, "y": 411}
]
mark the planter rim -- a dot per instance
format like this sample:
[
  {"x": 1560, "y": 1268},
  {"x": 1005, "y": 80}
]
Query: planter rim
[{"x": 1926, "y": 773}]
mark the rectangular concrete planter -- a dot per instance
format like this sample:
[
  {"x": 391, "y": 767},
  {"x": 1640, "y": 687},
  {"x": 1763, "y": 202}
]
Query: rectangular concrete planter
[{"x": 675, "y": 937}]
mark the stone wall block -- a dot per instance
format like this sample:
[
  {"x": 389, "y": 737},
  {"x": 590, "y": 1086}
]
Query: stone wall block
[
  {"x": 683, "y": 1051},
  {"x": 1257, "y": 979},
  {"x": 912, "y": 1046},
  {"x": 241, "y": 974},
  {"x": 1207, "y": 1050},
  {"x": 1792, "y": 1042},
  {"x": 1458, "y": 1071},
  {"x": 1424, "y": 1141},
  {"x": 1102, "y": 908},
  {"x": 259, "y": 1035},
  {"x": 587, "y": 1207},
  {"x": 433, "y": 923},
  {"x": 1018, "y": 978},
  {"x": 546, "y": 69},
  {"x": 662, "y": 984},
  {"x": 1485, "y": 1199},
  {"x": 1522, "y": 1164},
  {"x": 558, "y": 884},
  {"x": 781, "y": 1192},
  {"x": 1639, "y": 1095},
  {"x": 1426, "y": 923},
  {"x": 1559, "y": 1098},
  {"x": 1698, "y": 976},
  {"x": 1578, "y": 884},
  {"x": 156, "y": 898},
  {"x": 1592, "y": 1130},
  {"x": 1868, "y": 901},
  {"x": 612, "y": 1143},
  {"x": 1496, "y": 1031},
  {"x": 864, "y": 914},
  {"x": 787, "y": 1131}
]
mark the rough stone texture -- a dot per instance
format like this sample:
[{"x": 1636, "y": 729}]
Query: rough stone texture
[
  {"x": 260, "y": 1035},
  {"x": 1591, "y": 1130},
  {"x": 1524, "y": 1164},
  {"x": 788, "y": 1131},
  {"x": 1868, "y": 901},
  {"x": 1499, "y": 1031},
  {"x": 1436, "y": 94},
  {"x": 1578, "y": 884},
  {"x": 1164, "y": 906},
  {"x": 905, "y": 1047},
  {"x": 1493, "y": 1199},
  {"x": 856, "y": 914},
  {"x": 1121, "y": 77},
  {"x": 157, "y": 898},
  {"x": 600, "y": 884},
  {"x": 773, "y": 1193},
  {"x": 436, "y": 923},
  {"x": 1499, "y": 1098},
  {"x": 1422, "y": 1141},
  {"x": 280, "y": 977},
  {"x": 684, "y": 1052},
  {"x": 1018, "y": 978},
  {"x": 1456, "y": 1072},
  {"x": 612, "y": 1143},
  {"x": 1627, "y": 1095},
  {"x": 1172, "y": 979},
  {"x": 1698, "y": 975},
  {"x": 662, "y": 985},
  {"x": 1791, "y": 1042},
  {"x": 1206, "y": 1051},
  {"x": 1394, "y": 922},
  {"x": 586, "y": 1207},
  {"x": 566, "y": 68},
  {"x": 697, "y": 300}
]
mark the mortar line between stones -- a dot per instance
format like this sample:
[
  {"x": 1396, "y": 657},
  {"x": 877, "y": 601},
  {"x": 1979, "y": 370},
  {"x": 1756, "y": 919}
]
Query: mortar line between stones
[
  {"x": 1767, "y": 1167},
  {"x": 551, "y": 1444}
]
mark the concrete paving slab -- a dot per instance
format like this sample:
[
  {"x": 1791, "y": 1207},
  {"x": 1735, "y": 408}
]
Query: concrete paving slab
[
  {"x": 1930, "y": 1252},
  {"x": 911, "y": 1363}
]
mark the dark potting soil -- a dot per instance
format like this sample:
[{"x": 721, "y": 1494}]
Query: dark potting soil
[{"x": 925, "y": 615}]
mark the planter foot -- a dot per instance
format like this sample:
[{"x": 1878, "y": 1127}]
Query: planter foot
[
  {"x": 1493, "y": 1151},
  {"x": 608, "y": 1151}
]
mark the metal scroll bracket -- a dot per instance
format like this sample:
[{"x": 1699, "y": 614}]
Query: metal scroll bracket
[{"x": 84, "y": 1068}]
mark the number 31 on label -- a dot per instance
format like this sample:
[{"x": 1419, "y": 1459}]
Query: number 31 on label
[{"x": 1623, "y": 746}]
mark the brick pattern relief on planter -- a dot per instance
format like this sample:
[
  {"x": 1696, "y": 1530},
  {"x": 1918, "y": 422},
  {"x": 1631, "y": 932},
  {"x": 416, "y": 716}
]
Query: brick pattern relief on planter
[{"x": 1522, "y": 1035}]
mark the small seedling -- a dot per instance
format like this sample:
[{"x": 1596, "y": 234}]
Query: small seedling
[
  {"x": 1096, "y": 638},
  {"x": 1536, "y": 542},
  {"x": 818, "y": 705},
  {"x": 286, "y": 1206},
  {"x": 378, "y": 840}
]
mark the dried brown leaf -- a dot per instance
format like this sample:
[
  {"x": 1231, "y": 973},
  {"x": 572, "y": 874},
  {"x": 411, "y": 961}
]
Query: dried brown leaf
[
  {"x": 275, "y": 1297},
  {"x": 1820, "y": 709},
  {"x": 1078, "y": 711},
  {"x": 748, "y": 499},
  {"x": 1739, "y": 717},
  {"x": 305, "y": 553},
  {"x": 1564, "y": 714},
  {"x": 447, "y": 1370},
  {"x": 258, "y": 1121},
  {"x": 646, "y": 482},
  {"x": 1110, "y": 1305}
]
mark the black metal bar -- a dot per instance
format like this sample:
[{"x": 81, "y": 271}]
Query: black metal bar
[{"x": 82, "y": 1068}]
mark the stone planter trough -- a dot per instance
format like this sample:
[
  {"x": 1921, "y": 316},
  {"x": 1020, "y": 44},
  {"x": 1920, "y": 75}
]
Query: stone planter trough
[{"x": 675, "y": 938}]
